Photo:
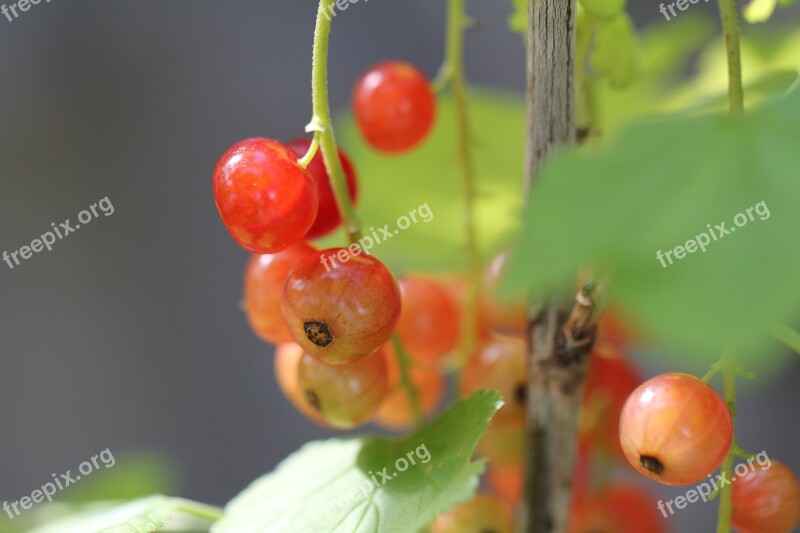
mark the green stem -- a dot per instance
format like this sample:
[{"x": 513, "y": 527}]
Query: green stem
[
  {"x": 729, "y": 373},
  {"x": 730, "y": 30},
  {"x": 788, "y": 336},
  {"x": 405, "y": 379},
  {"x": 453, "y": 70},
  {"x": 198, "y": 510},
  {"x": 322, "y": 125}
]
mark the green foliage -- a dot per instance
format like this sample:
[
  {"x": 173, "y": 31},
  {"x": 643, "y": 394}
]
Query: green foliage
[
  {"x": 147, "y": 514},
  {"x": 132, "y": 477},
  {"x": 762, "y": 10},
  {"x": 604, "y": 8},
  {"x": 655, "y": 188},
  {"x": 518, "y": 21},
  {"x": 615, "y": 55},
  {"x": 318, "y": 488},
  {"x": 430, "y": 174}
]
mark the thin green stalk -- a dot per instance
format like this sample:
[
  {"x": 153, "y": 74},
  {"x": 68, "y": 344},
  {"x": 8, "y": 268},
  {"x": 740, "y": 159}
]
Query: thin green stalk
[
  {"x": 787, "y": 336},
  {"x": 730, "y": 29},
  {"x": 729, "y": 373},
  {"x": 322, "y": 125},
  {"x": 453, "y": 72}
]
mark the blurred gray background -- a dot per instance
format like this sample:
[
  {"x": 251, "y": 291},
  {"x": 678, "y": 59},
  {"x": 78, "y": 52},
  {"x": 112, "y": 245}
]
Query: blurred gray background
[{"x": 127, "y": 335}]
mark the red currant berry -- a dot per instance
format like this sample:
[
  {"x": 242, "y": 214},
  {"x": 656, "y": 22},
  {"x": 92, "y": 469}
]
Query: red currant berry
[
  {"x": 506, "y": 313},
  {"x": 675, "y": 429},
  {"x": 264, "y": 279},
  {"x": 500, "y": 364},
  {"x": 345, "y": 396},
  {"x": 767, "y": 500},
  {"x": 266, "y": 200},
  {"x": 505, "y": 481},
  {"x": 341, "y": 306},
  {"x": 633, "y": 508},
  {"x": 484, "y": 513},
  {"x": 328, "y": 218},
  {"x": 395, "y": 412},
  {"x": 611, "y": 379},
  {"x": 502, "y": 445},
  {"x": 428, "y": 324},
  {"x": 394, "y": 106},
  {"x": 287, "y": 367}
]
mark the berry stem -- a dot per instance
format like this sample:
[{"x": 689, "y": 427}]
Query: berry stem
[
  {"x": 787, "y": 336},
  {"x": 729, "y": 372},
  {"x": 322, "y": 125},
  {"x": 730, "y": 29},
  {"x": 403, "y": 362},
  {"x": 452, "y": 73}
]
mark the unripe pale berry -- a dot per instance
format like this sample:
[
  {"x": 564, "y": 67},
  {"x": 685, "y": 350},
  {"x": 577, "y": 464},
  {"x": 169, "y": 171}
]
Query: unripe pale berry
[
  {"x": 264, "y": 279},
  {"x": 675, "y": 429},
  {"x": 342, "y": 310}
]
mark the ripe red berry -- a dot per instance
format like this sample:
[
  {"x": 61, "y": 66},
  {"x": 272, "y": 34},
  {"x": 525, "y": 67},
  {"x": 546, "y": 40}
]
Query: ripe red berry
[
  {"x": 328, "y": 217},
  {"x": 505, "y": 481},
  {"x": 264, "y": 279},
  {"x": 484, "y": 513},
  {"x": 287, "y": 367},
  {"x": 341, "y": 306},
  {"x": 506, "y": 313},
  {"x": 675, "y": 429},
  {"x": 345, "y": 396},
  {"x": 500, "y": 364},
  {"x": 611, "y": 379},
  {"x": 767, "y": 500},
  {"x": 394, "y": 106},
  {"x": 428, "y": 324},
  {"x": 395, "y": 412},
  {"x": 266, "y": 200}
]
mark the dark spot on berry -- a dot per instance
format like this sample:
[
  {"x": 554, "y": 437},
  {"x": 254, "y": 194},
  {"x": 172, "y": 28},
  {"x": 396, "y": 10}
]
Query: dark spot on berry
[
  {"x": 313, "y": 399},
  {"x": 521, "y": 393},
  {"x": 652, "y": 464},
  {"x": 318, "y": 333}
]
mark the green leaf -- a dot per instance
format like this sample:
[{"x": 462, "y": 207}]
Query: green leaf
[
  {"x": 390, "y": 187},
  {"x": 147, "y": 514},
  {"x": 518, "y": 21},
  {"x": 759, "y": 10},
  {"x": 657, "y": 187},
  {"x": 604, "y": 8},
  {"x": 615, "y": 54},
  {"x": 329, "y": 485}
]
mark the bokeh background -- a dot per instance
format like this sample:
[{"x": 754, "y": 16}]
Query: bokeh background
[{"x": 128, "y": 334}]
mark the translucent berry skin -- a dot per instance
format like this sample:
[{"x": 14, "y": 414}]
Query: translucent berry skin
[
  {"x": 287, "y": 367},
  {"x": 344, "y": 396},
  {"x": 505, "y": 313},
  {"x": 500, "y": 364},
  {"x": 394, "y": 106},
  {"x": 328, "y": 217},
  {"x": 395, "y": 412},
  {"x": 264, "y": 279},
  {"x": 342, "y": 310},
  {"x": 766, "y": 500},
  {"x": 611, "y": 379},
  {"x": 266, "y": 200},
  {"x": 675, "y": 429},
  {"x": 633, "y": 508},
  {"x": 428, "y": 324},
  {"x": 482, "y": 514}
]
